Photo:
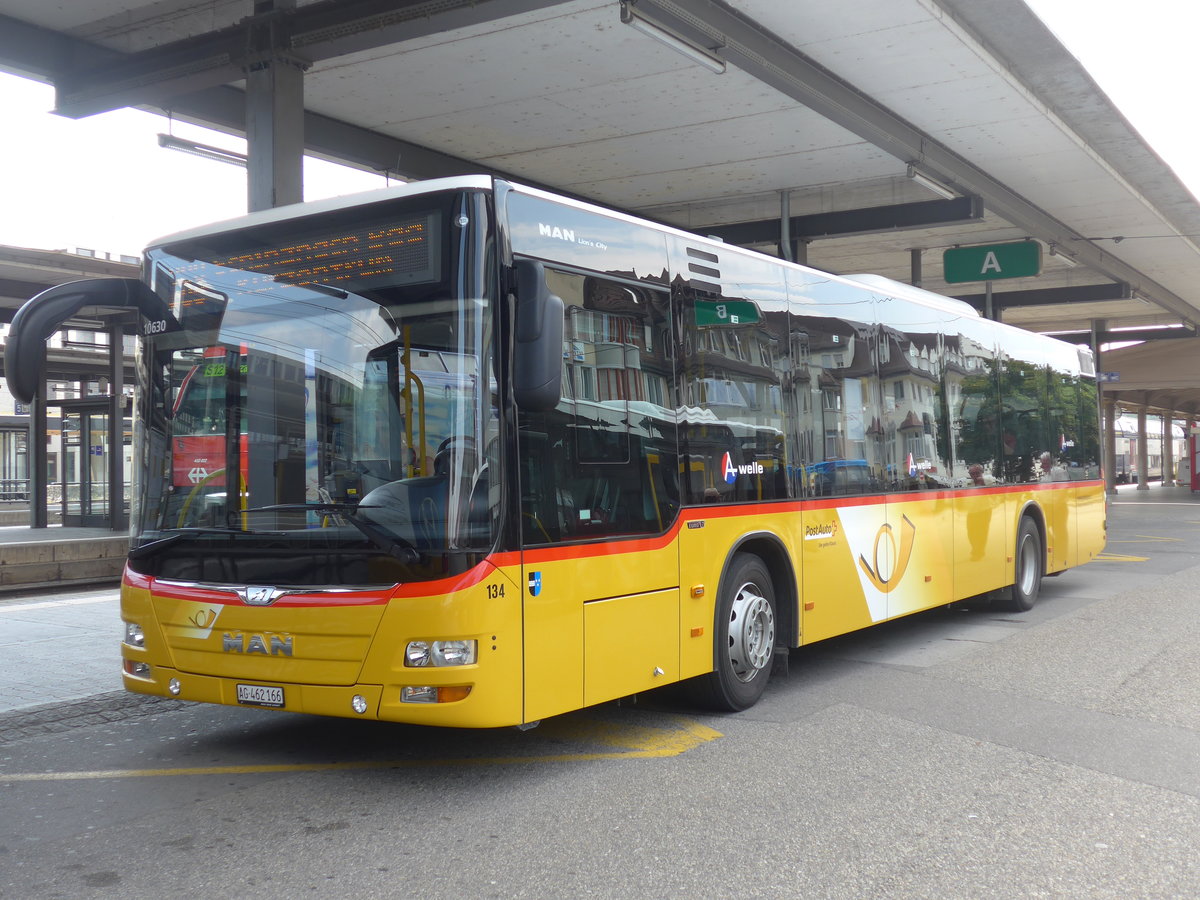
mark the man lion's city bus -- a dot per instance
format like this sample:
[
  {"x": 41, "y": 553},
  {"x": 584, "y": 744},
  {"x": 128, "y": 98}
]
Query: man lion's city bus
[{"x": 466, "y": 453}]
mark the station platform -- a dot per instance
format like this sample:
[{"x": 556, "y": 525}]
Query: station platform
[{"x": 55, "y": 557}]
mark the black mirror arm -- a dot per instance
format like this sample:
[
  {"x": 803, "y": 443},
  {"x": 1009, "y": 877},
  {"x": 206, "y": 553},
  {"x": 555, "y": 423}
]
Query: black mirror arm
[{"x": 45, "y": 313}]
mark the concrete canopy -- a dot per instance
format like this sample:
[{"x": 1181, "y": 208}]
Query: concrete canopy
[
  {"x": 821, "y": 107},
  {"x": 1157, "y": 375}
]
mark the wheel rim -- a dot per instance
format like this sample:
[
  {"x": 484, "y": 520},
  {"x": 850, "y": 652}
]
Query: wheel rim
[
  {"x": 1027, "y": 561},
  {"x": 751, "y": 632}
]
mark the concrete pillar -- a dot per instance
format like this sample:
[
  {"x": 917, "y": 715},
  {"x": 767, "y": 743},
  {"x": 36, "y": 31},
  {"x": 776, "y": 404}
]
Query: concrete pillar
[
  {"x": 275, "y": 134},
  {"x": 1168, "y": 450},
  {"x": 1142, "y": 464},
  {"x": 1110, "y": 446},
  {"x": 117, "y": 520},
  {"x": 39, "y": 457},
  {"x": 1188, "y": 424},
  {"x": 274, "y": 118}
]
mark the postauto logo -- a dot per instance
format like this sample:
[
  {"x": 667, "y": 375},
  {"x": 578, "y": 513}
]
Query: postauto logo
[{"x": 732, "y": 472}]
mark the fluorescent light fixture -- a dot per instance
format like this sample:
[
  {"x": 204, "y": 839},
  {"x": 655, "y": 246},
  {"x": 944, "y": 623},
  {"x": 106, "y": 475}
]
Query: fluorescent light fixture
[
  {"x": 204, "y": 151},
  {"x": 700, "y": 55},
  {"x": 930, "y": 184}
]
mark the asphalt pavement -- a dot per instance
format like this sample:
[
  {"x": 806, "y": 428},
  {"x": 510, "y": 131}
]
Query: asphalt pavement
[{"x": 62, "y": 646}]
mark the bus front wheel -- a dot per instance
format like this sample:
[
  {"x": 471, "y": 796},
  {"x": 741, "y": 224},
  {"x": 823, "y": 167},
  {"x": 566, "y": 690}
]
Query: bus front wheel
[
  {"x": 744, "y": 640},
  {"x": 1027, "y": 569}
]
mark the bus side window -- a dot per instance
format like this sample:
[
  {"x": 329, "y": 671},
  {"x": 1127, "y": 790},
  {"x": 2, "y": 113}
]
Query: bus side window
[{"x": 596, "y": 465}]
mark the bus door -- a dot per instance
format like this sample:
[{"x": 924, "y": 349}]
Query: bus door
[
  {"x": 598, "y": 498},
  {"x": 601, "y": 601}
]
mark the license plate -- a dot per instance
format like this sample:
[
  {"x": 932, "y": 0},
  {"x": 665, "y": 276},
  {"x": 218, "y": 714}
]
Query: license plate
[{"x": 260, "y": 695}]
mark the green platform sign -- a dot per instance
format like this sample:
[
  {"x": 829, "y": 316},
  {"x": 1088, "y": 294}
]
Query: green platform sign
[
  {"x": 988, "y": 262},
  {"x": 726, "y": 312}
]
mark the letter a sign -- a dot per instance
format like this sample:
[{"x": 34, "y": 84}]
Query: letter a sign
[{"x": 987, "y": 262}]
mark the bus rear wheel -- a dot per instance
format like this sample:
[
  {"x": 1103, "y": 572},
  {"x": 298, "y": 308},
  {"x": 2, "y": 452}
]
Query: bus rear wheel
[
  {"x": 744, "y": 640},
  {"x": 1027, "y": 570}
]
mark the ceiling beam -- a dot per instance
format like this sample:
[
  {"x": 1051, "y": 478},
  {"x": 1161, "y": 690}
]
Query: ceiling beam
[
  {"x": 44, "y": 55},
  {"x": 224, "y": 108},
  {"x": 1084, "y": 293},
  {"x": 760, "y": 53},
  {"x": 35, "y": 52},
  {"x": 1107, "y": 336},
  {"x": 66, "y": 364},
  {"x": 869, "y": 220},
  {"x": 309, "y": 34},
  {"x": 17, "y": 290}
]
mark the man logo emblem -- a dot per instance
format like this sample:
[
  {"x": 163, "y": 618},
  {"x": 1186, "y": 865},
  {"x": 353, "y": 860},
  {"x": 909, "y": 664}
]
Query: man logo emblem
[{"x": 259, "y": 595}]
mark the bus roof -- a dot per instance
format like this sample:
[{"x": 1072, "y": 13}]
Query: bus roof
[
  {"x": 329, "y": 204},
  {"x": 910, "y": 292},
  {"x": 877, "y": 283}
]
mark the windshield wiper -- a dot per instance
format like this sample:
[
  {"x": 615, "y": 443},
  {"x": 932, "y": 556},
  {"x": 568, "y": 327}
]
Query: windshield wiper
[
  {"x": 178, "y": 534},
  {"x": 392, "y": 544}
]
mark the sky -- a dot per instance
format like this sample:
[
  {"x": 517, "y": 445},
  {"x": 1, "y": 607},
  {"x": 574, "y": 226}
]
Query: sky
[
  {"x": 1141, "y": 53},
  {"x": 104, "y": 184}
]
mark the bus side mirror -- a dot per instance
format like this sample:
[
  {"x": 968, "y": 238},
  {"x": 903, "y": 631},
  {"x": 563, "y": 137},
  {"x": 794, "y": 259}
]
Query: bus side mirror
[
  {"x": 537, "y": 362},
  {"x": 45, "y": 313}
]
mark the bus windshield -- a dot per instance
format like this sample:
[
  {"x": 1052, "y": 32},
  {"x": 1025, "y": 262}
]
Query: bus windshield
[{"x": 333, "y": 418}]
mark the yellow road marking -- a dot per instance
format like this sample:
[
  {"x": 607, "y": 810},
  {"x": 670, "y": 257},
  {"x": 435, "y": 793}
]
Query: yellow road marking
[
  {"x": 1117, "y": 557},
  {"x": 640, "y": 742}
]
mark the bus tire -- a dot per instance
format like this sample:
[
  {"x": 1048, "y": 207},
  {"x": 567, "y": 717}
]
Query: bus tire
[
  {"x": 1028, "y": 566},
  {"x": 744, "y": 638}
]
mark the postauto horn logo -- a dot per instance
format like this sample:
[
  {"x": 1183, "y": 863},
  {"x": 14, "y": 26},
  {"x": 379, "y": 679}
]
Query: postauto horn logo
[
  {"x": 731, "y": 471},
  {"x": 902, "y": 554}
]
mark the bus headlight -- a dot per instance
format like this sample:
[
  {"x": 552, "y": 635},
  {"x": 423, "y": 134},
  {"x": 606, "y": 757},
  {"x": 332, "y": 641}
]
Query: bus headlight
[
  {"x": 134, "y": 636},
  {"x": 440, "y": 653},
  {"x": 416, "y": 654},
  {"x": 453, "y": 653}
]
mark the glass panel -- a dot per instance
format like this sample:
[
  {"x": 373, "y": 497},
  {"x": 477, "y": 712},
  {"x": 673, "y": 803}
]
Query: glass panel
[
  {"x": 96, "y": 502},
  {"x": 73, "y": 469},
  {"x": 1081, "y": 450},
  {"x": 603, "y": 462},
  {"x": 845, "y": 443},
  {"x": 912, "y": 365},
  {"x": 972, "y": 390},
  {"x": 14, "y": 465},
  {"x": 734, "y": 376},
  {"x": 85, "y": 491},
  {"x": 1037, "y": 407},
  {"x": 320, "y": 416}
]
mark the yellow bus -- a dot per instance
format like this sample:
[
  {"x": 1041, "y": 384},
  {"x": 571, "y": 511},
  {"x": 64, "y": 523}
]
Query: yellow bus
[{"x": 466, "y": 453}]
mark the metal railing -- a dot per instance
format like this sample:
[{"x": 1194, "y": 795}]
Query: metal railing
[{"x": 13, "y": 489}]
